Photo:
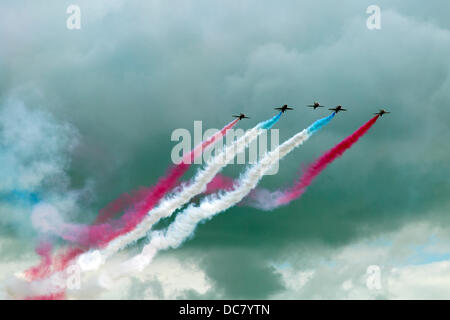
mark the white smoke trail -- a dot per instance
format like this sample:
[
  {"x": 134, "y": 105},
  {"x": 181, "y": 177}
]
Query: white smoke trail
[
  {"x": 93, "y": 259},
  {"x": 186, "y": 222}
]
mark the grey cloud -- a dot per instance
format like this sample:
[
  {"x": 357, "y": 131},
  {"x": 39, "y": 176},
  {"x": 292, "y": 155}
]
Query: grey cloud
[{"x": 136, "y": 71}]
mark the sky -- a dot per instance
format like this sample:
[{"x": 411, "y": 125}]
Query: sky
[{"x": 87, "y": 114}]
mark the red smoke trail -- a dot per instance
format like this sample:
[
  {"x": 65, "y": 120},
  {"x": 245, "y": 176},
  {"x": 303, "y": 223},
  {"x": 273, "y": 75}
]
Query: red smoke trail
[
  {"x": 137, "y": 196},
  {"x": 320, "y": 164},
  {"x": 99, "y": 235},
  {"x": 219, "y": 182},
  {"x": 50, "y": 265},
  {"x": 264, "y": 199},
  {"x": 42, "y": 270},
  {"x": 102, "y": 232},
  {"x": 64, "y": 257},
  {"x": 121, "y": 204},
  {"x": 51, "y": 296}
]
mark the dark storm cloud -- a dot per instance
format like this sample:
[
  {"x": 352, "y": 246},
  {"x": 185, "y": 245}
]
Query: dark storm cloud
[{"x": 137, "y": 71}]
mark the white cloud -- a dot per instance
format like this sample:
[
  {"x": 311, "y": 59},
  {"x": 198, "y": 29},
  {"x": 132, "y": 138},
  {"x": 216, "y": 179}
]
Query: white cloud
[
  {"x": 343, "y": 273},
  {"x": 168, "y": 277},
  {"x": 426, "y": 281}
]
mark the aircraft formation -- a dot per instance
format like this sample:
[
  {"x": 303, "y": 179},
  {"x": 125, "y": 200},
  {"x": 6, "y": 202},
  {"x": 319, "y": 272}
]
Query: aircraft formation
[
  {"x": 315, "y": 105},
  {"x": 107, "y": 235}
]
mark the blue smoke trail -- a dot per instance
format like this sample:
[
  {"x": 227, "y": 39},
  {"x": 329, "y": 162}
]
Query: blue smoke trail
[
  {"x": 21, "y": 197},
  {"x": 271, "y": 122},
  {"x": 320, "y": 123}
]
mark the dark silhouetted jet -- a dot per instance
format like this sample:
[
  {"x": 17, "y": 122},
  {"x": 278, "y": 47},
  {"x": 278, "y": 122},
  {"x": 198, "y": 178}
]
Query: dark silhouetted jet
[
  {"x": 241, "y": 116},
  {"x": 315, "y": 105},
  {"x": 284, "y": 108},
  {"x": 338, "y": 108},
  {"x": 382, "y": 111}
]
